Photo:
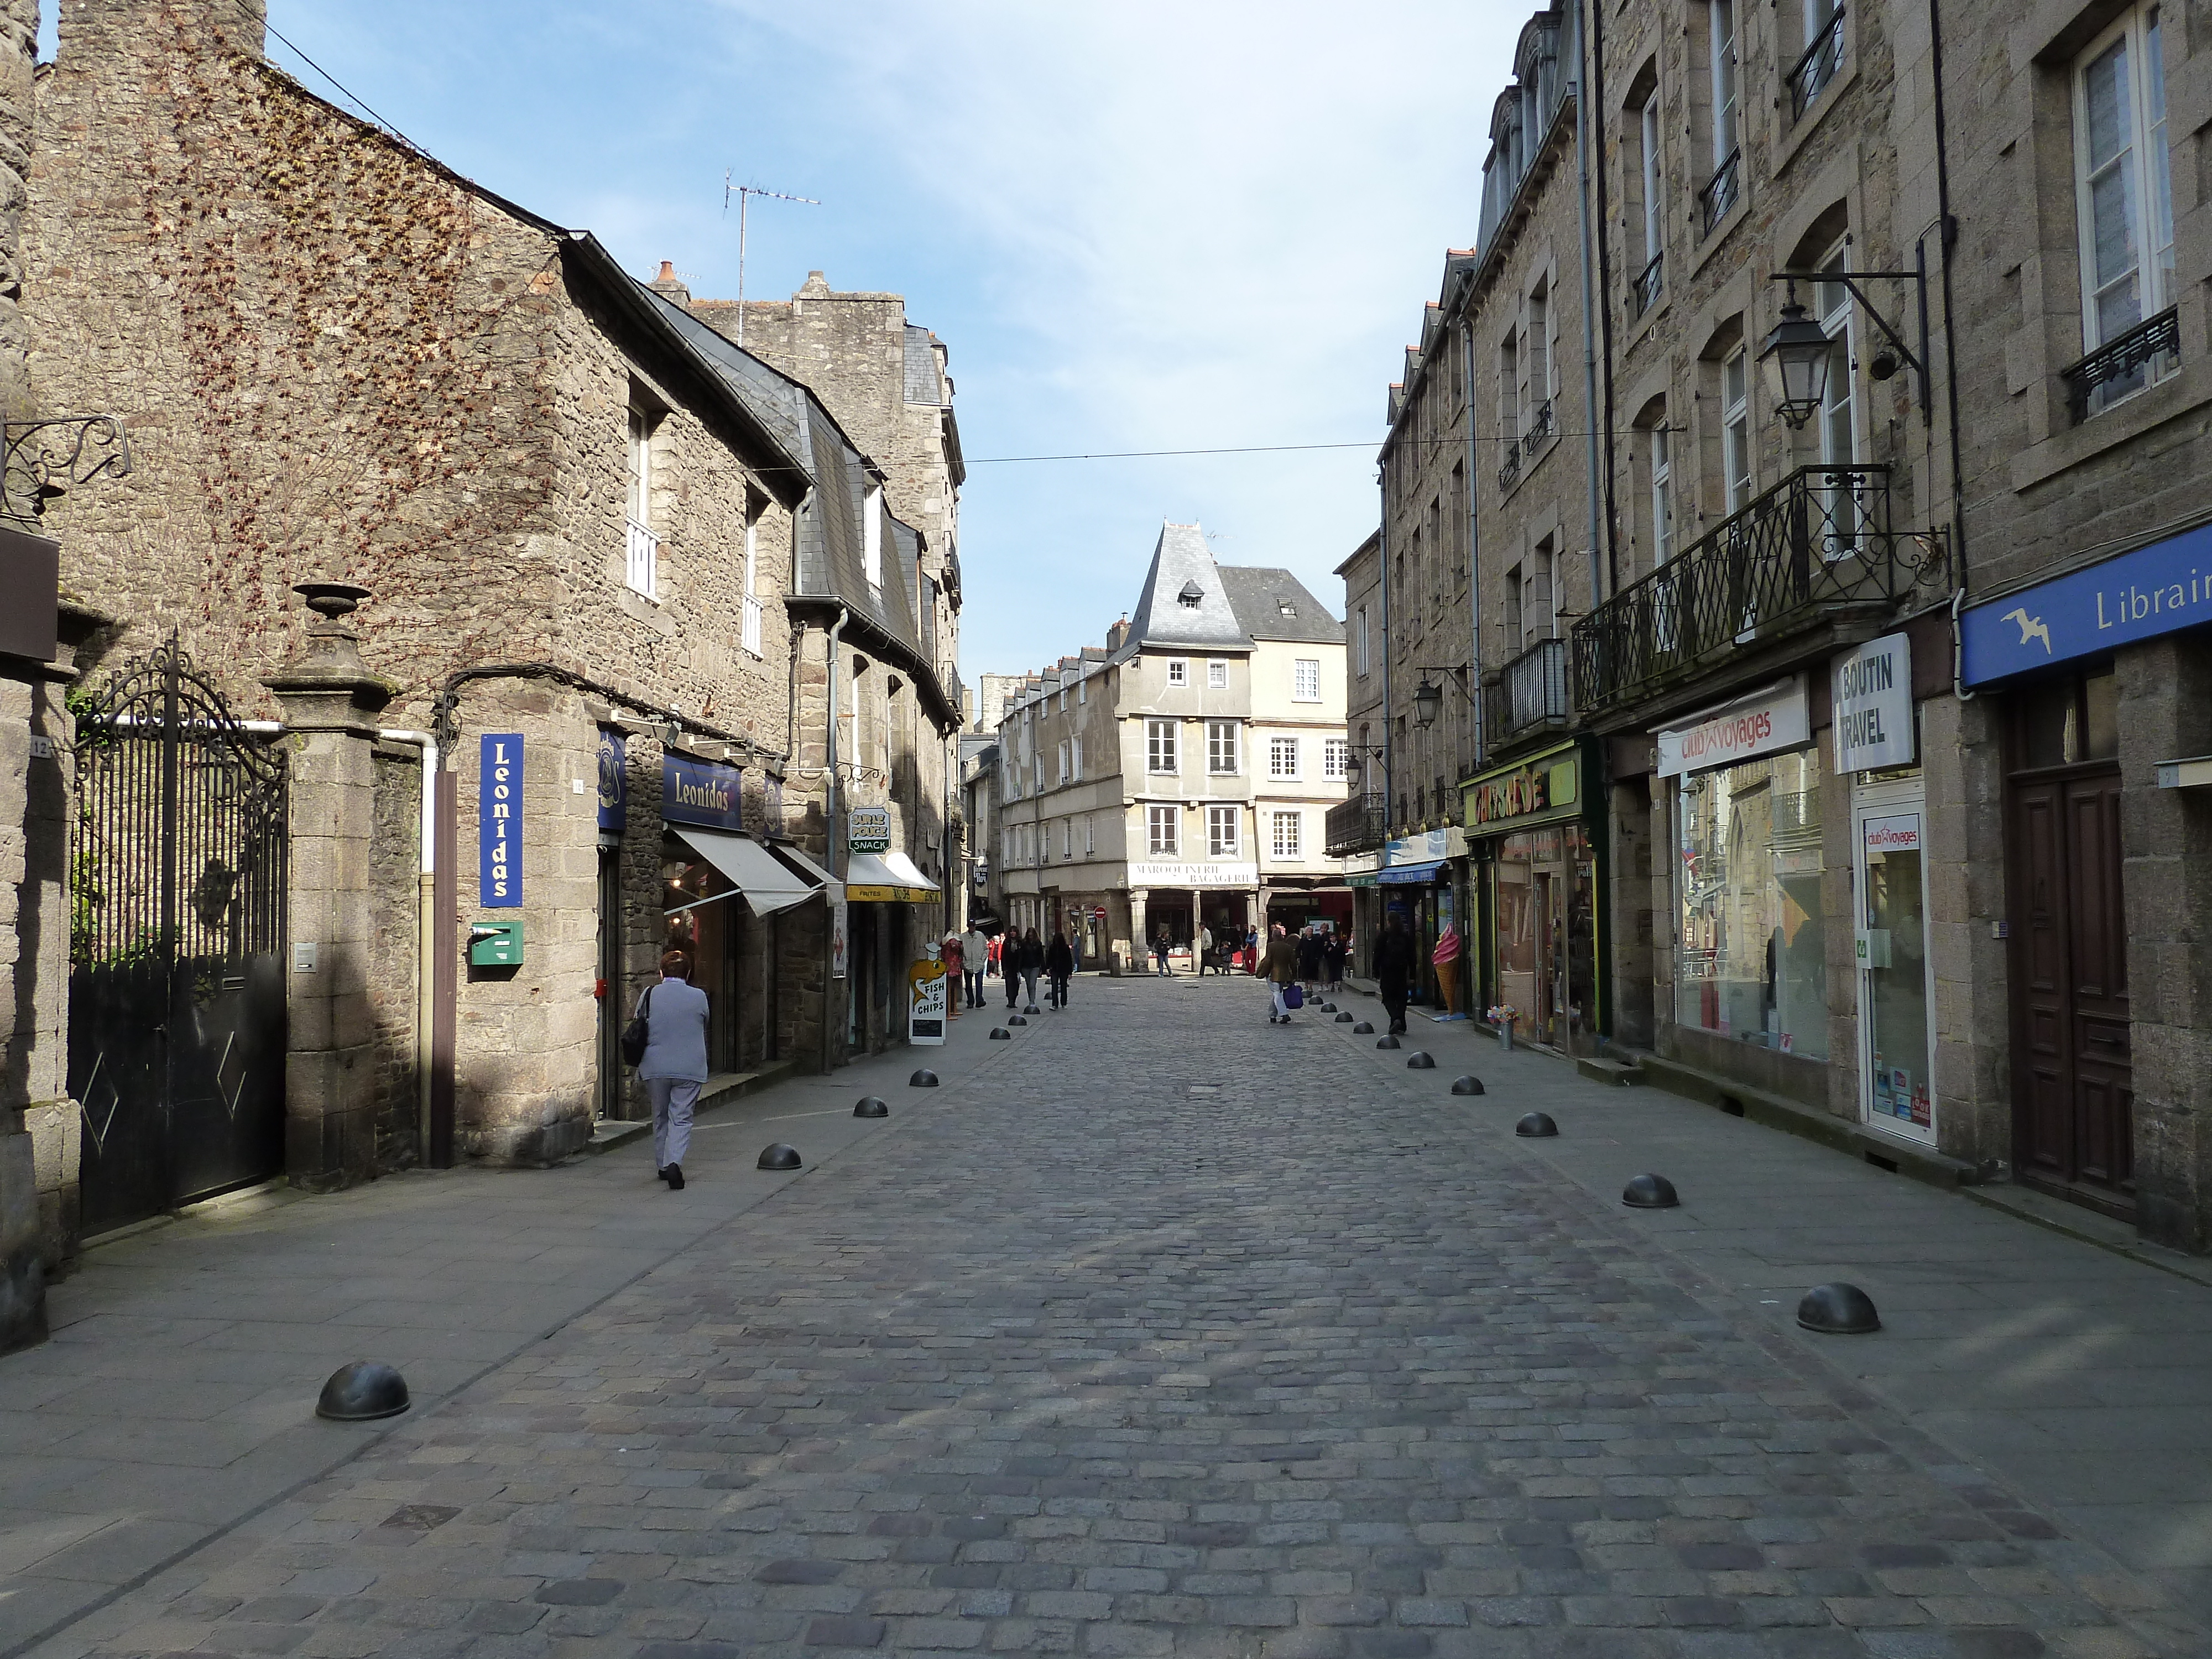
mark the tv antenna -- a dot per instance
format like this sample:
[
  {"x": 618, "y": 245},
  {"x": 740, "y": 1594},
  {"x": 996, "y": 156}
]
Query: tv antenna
[{"x": 745, "y": 193}]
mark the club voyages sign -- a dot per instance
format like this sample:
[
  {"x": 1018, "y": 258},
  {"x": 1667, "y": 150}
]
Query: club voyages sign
[{"x": 1775, "y": 718}]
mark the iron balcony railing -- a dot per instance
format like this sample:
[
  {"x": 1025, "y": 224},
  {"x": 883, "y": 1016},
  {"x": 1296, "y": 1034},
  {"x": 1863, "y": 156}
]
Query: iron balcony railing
[
  {"x": 1357, "y": 825},
  {"x": 1720, "y": 192},
  {"x": 1528, "y": 696},
  {"x": 1810, "y": 75},
  {"x": 1650, "y": 281},
  {"x": 1540, "y": 428},
  {"x": 1510, "y": 468},
  {"x": 1817, "y": 541},
  {"x": 2149, "y": 351}
]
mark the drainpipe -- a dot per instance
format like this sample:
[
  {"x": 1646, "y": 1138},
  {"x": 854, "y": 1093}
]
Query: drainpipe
[
  {"x": 426, "y": 911},
  {"x": 1590, "y": 303},
  {"x": 1594, "y": 217},
  {"x": 1947, "y": 236},
  {"x": 834, "y": 844},
  {"x": 1474, "y": 552},
  {"x": 1383, "y": 565}
]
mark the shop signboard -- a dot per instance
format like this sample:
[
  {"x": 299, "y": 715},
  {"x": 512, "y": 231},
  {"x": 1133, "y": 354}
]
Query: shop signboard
[
  {"x": 838, "y": 936},
  {"x": 1873, "y": 688},
  {"x": 1534, "y": 791},
  {"x": 1774, "y": 718},
  {"x": 1158, "y": 874},
  {"x": 614, "y": 783},
  {"x": 499, "y": 820},
  {"x": 701, "y": 792},
  {"x": 2138, "y": 596},
  {"x": 925, "y": 1001},
  {"x": 868, "y": 830}
]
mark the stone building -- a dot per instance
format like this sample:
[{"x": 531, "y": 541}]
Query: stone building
[
  {"x": 1176, "y": 778},
  {"x": 592, "y": 545}
]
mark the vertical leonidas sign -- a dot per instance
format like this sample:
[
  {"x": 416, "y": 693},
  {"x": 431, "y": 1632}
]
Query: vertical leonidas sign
[{"x": 499, "y": 820}]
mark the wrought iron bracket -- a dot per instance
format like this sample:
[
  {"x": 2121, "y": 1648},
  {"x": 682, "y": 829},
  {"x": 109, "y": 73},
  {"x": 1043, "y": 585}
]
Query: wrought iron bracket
[
  {"x": 1851, "y": 279},
  {"x": 45, "y": 458}
]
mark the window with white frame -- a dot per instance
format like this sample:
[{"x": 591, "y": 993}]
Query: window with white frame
[
  {"x": 1336, "y": 758},
  {"x": 1083, "y": 690},
  {"x": 1075, "y": 759},
  {"x": 1221, "y": 823},
  {"x": 1160, "y": 829},
  {"x": 872, "y": 534},
  {"x": 1068, "y": 838},
  {"x": 750, "y": 624},
  {"x": 1063, "y": 760},
  {"x": 1720, "y": 45},
  {"x": 2125, "y": 196},
  {"x": 1221, "y": 759},
  {"x": 1090, "y": 837},
  {"x": 1662, "y": 487},
  {"x": 1283, "y": 838},
  {"x": 1305, "y": 680},
  {"x": 1655, "y": 228},
  {"x": 1063, "y": 700},
  {"x": 1160, "y": 757},
  {"x": 1216, "y": 675},
  {"x": 1178, "y": 672},
  {"x": 1839, "y": 437},
  {"x": 1282, "y": 757},
  {"x": 641, "y": 547},
  {"x": 1735, "y": 430}
]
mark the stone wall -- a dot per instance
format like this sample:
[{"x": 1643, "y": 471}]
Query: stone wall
[{"x": 395, "y": 955}]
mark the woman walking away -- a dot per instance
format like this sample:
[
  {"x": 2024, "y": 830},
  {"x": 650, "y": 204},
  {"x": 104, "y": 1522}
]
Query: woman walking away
[
  {"x": 1282, "y": 966},
  {"x": 1332, "y": 959},
  {"x": 1059, "y": 965},
  {"x": 1309, "y": 959},
  {"x": 675, "y": 1062},
  {"x": 1010, "y": 966},
  {"x": 1032, "y": 965},
  {"x": 974, "y": 954}
]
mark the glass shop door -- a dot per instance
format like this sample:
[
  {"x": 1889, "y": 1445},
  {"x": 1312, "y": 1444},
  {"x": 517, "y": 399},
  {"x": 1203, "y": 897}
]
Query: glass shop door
[{"x": 1889, "y": 890}]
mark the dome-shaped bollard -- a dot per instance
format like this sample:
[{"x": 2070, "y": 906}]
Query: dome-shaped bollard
[
  {"x": 924, "y": 1078},
  {"x": 1342, "y": 1019},
  {"x": 1032, "y": 1009},
  {"x": 869, "y": 1106},
  {"x": 779, "y": 1157},
  {"x": 1537, "y": 1126},
  {"x": 1420, "y": 1060},
  {"x": 1001, "y": 1034},
  {"x": 1650, "y": 1192},
  {"x": 1328, "y": 1007},
  {"x": 362, "y": 1393},
  {"x": 1016, "y": 1019},
  {"x": 1838, "y": 1311},
  {"x": 1364, "y": 1029},
  {"x": 1386, "y": 1041},
  {"x": 1467, "y": 1085}
]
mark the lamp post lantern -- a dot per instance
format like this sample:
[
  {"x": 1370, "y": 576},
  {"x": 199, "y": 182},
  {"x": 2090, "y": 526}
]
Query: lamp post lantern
[
  {"x": 1428, "y": 702},
  {"x": 1795, "y": 358}
]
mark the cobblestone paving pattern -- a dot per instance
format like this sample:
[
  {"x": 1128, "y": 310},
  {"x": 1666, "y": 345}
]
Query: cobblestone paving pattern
[{"x": 1170, "y": 1332}]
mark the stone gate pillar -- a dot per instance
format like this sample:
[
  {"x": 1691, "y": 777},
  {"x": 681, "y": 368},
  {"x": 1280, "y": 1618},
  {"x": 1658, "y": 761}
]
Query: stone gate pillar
[{"x": 330, "y": 699}]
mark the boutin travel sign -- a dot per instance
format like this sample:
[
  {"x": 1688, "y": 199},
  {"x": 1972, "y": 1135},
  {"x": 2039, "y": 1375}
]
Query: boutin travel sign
[
  {"x": 1873, "y": 702},
  {"x": 2138, "y": 596}
]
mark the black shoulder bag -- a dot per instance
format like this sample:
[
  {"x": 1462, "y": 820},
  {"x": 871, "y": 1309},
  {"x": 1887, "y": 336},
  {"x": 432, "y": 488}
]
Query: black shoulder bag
[{"x": 639, "y": 1032}]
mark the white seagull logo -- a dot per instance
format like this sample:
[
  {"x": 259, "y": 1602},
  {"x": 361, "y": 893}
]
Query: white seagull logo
[{"x": 2030, "y": 627}]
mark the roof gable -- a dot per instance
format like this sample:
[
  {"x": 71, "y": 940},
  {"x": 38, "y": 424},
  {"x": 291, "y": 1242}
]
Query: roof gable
[{"x": 1185, "y": 603}]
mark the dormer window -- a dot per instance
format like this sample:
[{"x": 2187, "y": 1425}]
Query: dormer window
[
  {"x": 1287, "y": 608},
  {"x": 1191, "y": 596}
]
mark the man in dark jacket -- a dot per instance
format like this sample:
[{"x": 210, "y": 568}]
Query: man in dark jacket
[
  {"x": 1394, "y": 969},
  {"x": 1059, "y": 965}
]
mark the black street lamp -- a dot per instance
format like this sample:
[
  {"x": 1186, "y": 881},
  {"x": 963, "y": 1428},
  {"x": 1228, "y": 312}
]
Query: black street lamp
[
  {"x": 1428, "y": 702},
  {"x": 1795, "y": 358}
]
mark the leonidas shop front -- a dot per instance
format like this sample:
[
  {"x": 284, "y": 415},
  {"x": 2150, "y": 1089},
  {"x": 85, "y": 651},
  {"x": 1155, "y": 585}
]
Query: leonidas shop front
[{"x": 1535, "y": 831}]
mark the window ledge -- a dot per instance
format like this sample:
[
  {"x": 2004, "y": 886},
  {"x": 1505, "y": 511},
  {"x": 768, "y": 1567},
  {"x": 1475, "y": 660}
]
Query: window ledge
[
  {"x": 2170, "y": 399},
  {"x": 1713, "y": 239},
  {"x": 1640, "y": 326}
]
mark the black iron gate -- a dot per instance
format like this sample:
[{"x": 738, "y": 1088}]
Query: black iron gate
[{"x": 177, "y": 1027}]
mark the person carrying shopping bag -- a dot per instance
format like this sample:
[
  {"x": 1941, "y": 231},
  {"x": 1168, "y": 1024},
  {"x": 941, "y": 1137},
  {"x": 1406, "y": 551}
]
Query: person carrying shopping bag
[
  {"x": 674, "y": 1063},
  {"x": 1282, "y": 969}
]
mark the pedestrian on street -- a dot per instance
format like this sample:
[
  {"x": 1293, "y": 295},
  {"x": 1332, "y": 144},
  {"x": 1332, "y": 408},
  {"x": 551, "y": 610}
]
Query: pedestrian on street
[
  {"x": 1309, "y": 959},
  {"x": 1206, "y": 950},
  {"x": 1160, "y": 949},
  {"x": 1059, "y": 965},
  {"x": 675, "y": 1062},
  {"x": 954, "y": 955},
  {"x": 1252, "y": 952},
  {"x": 1394, "y": 969},
  {"x": 1282, "y": 968},
  {"x": 1333, "y": 959},
  {"x": 1032, "y": 964},
  {"x": 975, "y": 955},
  {"x": 1010, "y": 965}
]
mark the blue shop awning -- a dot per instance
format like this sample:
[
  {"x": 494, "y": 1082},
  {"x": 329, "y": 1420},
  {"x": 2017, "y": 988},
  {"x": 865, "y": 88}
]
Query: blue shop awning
[{"x": 1409, "y": 872}]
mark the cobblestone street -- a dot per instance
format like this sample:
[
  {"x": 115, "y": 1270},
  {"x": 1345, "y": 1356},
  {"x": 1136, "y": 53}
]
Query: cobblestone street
[{"x": 1165, "y": 1331}]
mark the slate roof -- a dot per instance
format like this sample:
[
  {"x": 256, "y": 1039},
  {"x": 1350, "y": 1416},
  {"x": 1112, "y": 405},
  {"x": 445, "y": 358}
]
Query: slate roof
[
  {"x": 1258, "y": 594},
  {"x": 1181, "y": 560},
  {"x": 924, "y": 383}
]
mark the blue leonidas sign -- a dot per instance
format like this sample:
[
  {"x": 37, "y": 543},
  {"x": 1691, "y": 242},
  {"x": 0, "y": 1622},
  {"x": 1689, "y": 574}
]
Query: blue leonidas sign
[
  {"x": 2138, "y": 596},
  {"x": 701, "y": 792},
  {"x": 499, "y": 819}
]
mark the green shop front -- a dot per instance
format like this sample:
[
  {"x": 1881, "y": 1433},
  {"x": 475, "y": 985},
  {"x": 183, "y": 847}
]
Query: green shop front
[{"x": 1535, "y": 834}]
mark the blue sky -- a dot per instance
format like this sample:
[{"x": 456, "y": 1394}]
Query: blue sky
[{"x": 1136, "y": 225}]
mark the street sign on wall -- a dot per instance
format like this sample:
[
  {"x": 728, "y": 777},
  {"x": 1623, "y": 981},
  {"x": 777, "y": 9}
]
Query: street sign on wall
[
  {"x": 1873, "y": 688},
  {"x": 499, "y": 820},
  {"x": 868, "y": 830}
]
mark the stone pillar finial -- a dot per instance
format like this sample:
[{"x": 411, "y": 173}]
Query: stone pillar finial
[{"x": 328, "y": 679}]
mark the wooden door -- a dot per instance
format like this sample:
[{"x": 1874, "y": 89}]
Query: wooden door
[{"x": 2073, "y": 1099}]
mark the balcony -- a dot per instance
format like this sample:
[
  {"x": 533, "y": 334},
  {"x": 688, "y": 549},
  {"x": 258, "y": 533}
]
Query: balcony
[
  {"x": 1357, "y": 825},
  {"x": 1528, "y": 698},
  {"x": 1649, "y": 282},
  {"x": 1809, "y": 76},
  {"x": 1510, "y": 468},
  {"x": 1540, "y": 428},
  {"x": 1818, "y": 543},
  {"x": 2123, "y": 365},
  {"x": 1720, "y": 192}
]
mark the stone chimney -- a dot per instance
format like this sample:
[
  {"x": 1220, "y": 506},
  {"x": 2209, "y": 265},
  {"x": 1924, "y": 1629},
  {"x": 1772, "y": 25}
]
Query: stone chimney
[
  {"x": 670, "y": 286},
  {"x": 816, "y": 286},
  {"x": 110, "y": 31},
  {"x": 1116, "y": 634}
]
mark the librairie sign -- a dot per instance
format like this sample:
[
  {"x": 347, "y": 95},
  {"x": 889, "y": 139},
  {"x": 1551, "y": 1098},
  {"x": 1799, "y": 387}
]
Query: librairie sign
[
  {"x": 1873, "y": 702},
  {"x": 1775, "y": 718},
  {"x": 2138, "y": 596},
  {"x": 499, "y": 820},
  {"x": 701, "y": 792}
]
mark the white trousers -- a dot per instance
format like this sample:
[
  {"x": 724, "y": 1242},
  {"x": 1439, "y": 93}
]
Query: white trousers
[
  {"x": 1281, "y": 1007},
  {"x": 673, "y": 1097}
]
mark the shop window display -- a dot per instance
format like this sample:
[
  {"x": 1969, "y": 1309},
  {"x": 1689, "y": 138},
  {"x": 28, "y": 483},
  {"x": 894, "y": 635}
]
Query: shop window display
[
  {"x": 1545, "y": 907},
  {"x": 1750, "y": 962}
]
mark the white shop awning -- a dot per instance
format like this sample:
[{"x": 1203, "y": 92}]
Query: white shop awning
[
  {"x": 886, "y": 879},
  {"x": 768, "y": 885},
  {"x": 808, "y": 868}
]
